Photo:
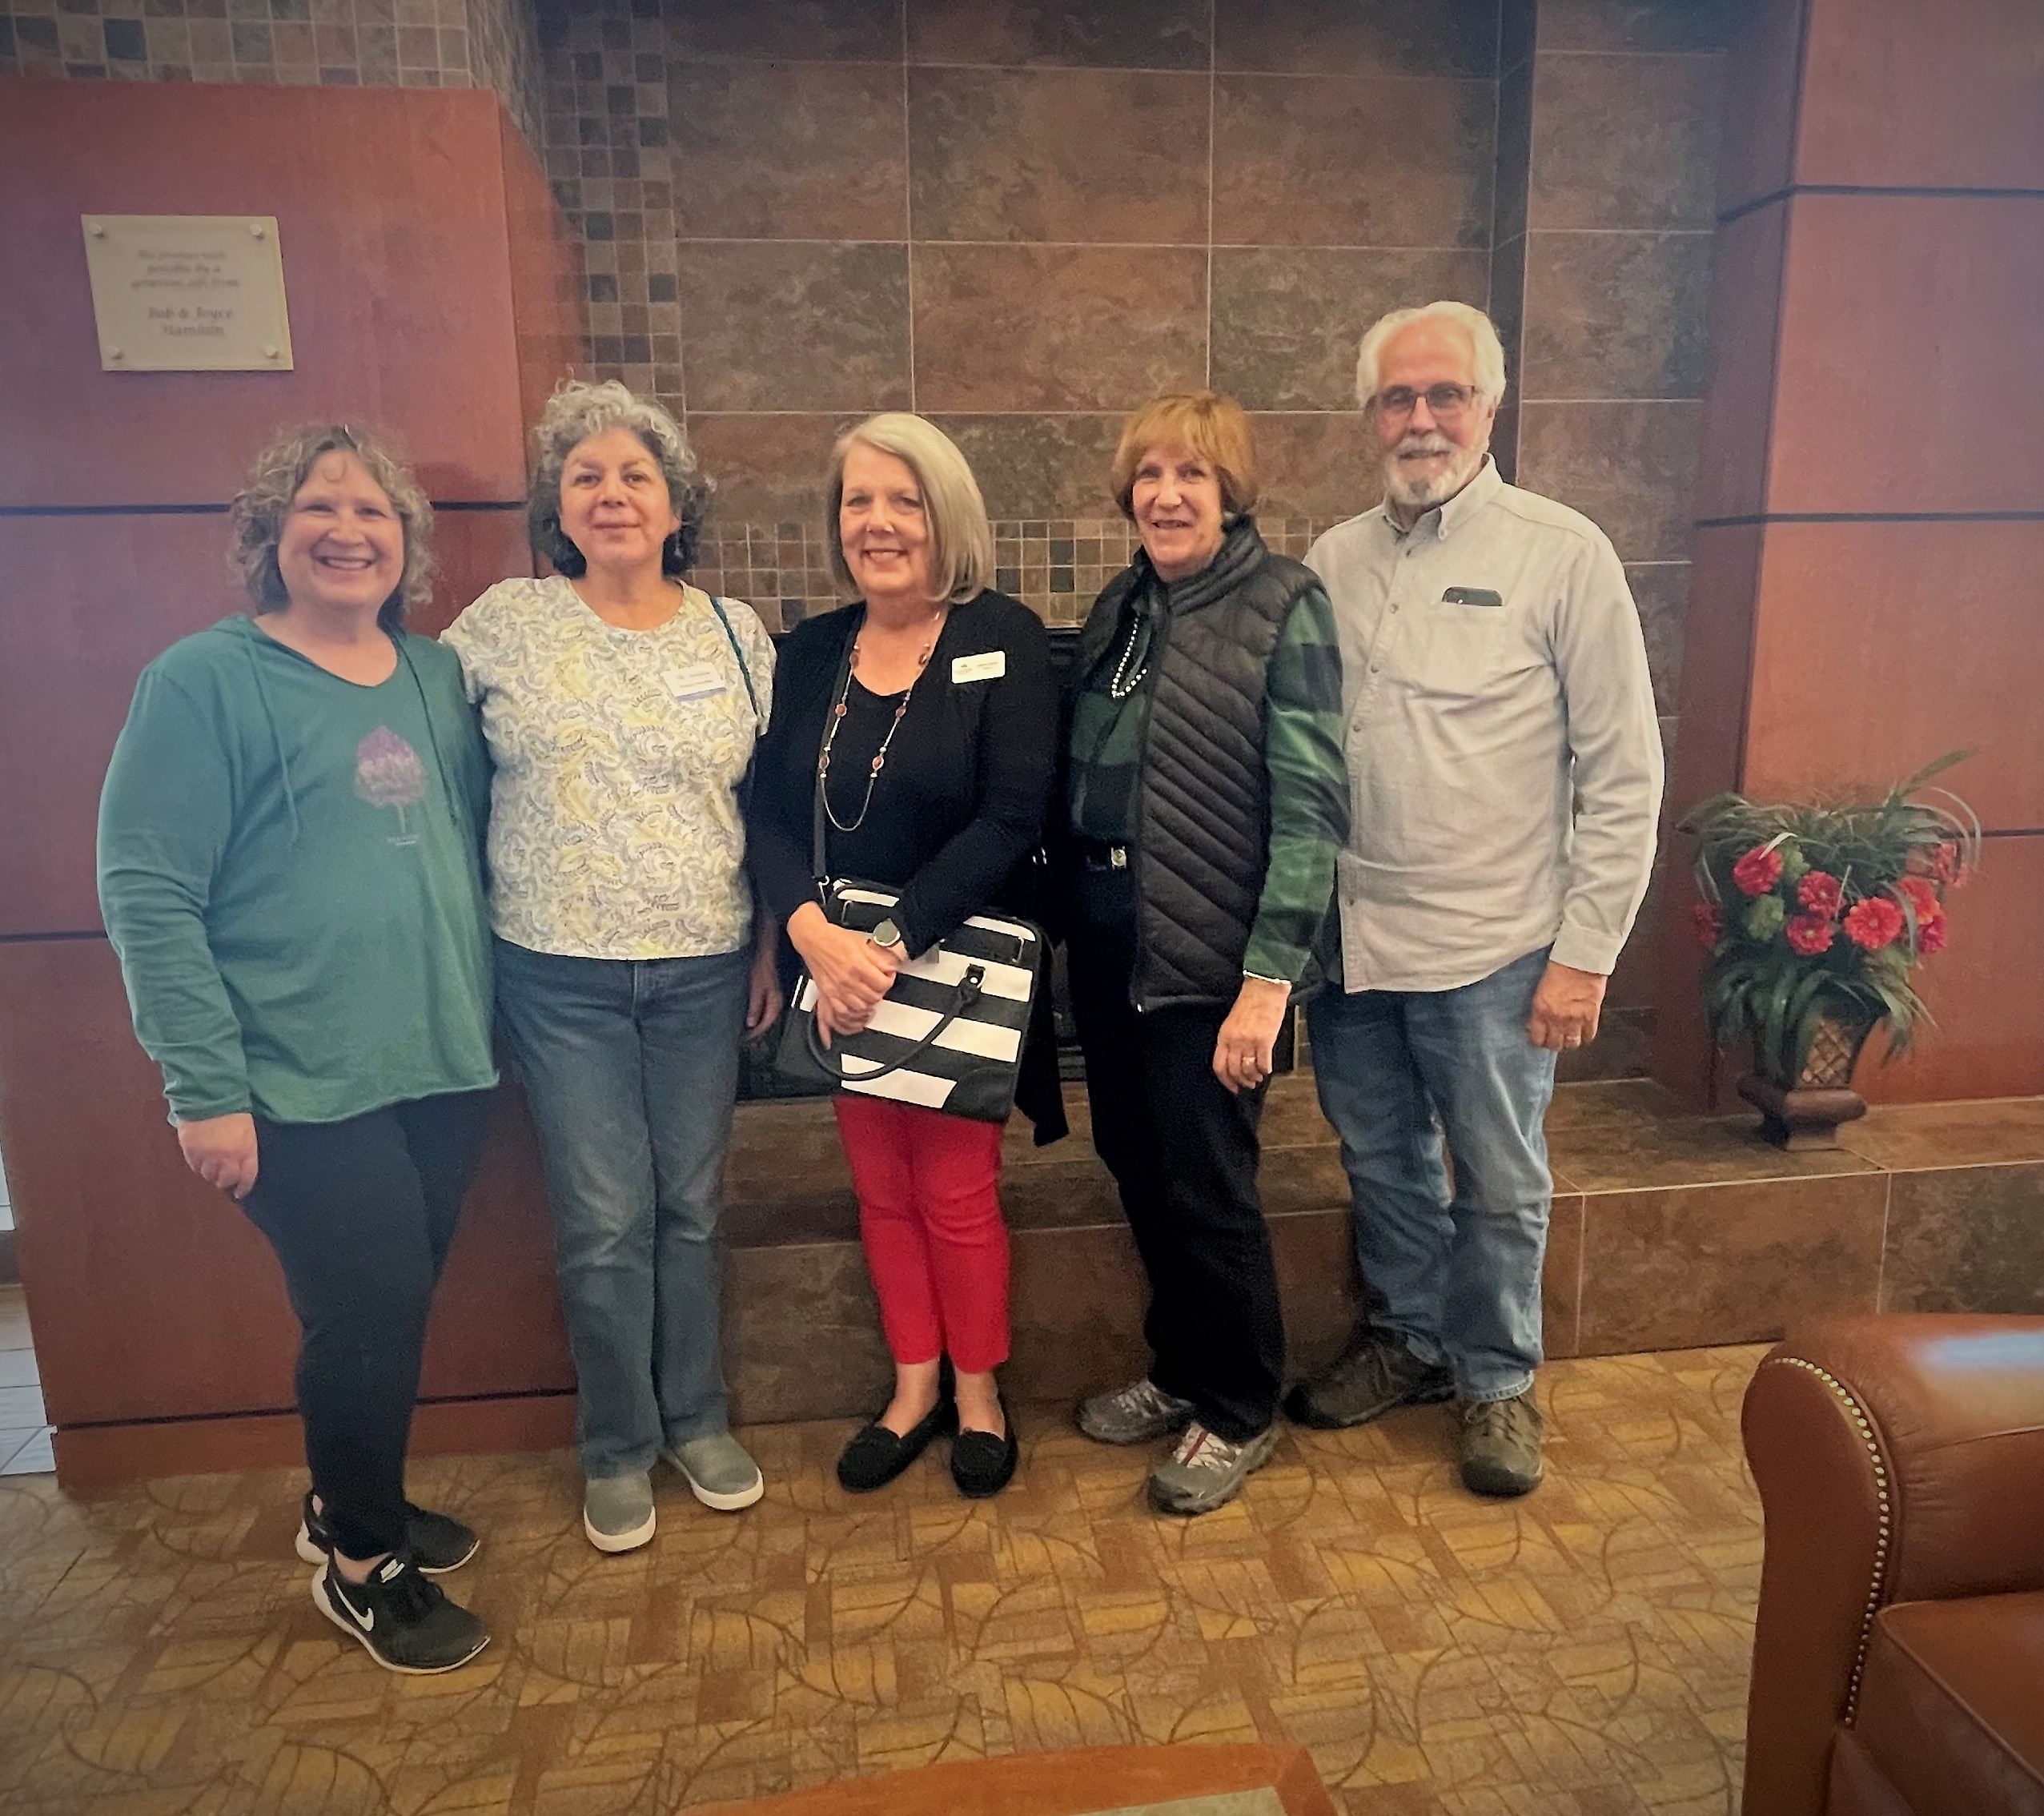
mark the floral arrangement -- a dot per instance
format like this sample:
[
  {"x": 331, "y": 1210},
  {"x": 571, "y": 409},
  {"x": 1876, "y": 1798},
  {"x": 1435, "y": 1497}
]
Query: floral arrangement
[{"x": 1820, "y": 911}]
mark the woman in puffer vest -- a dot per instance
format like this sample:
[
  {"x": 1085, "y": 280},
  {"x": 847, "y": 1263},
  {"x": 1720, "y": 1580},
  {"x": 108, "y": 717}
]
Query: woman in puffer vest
[{"x": 1207, "y": 799}]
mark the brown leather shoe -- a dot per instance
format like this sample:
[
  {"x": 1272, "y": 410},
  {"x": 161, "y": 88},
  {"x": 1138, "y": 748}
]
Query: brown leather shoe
[
  {"x": 1374, "y": 1375},
  {"x": 1501, "y": 1446}
]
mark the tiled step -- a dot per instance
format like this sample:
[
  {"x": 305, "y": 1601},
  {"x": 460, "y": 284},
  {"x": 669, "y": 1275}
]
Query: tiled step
[{"x": 1669, "y": 1230}]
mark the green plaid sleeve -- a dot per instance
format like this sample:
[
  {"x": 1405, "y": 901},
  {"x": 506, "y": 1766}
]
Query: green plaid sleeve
[{"x": 1309, "y": 791}]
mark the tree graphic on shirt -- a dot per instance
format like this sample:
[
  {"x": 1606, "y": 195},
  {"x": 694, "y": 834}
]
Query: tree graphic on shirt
[{"x": 388, "y": 773}]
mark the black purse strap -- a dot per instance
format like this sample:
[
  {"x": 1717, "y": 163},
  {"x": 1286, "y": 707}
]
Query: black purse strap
[{"x": 965, "y": 992}]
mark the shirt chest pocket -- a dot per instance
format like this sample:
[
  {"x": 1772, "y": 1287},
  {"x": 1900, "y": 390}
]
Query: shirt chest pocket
[{"x": 1457, "y": 652}]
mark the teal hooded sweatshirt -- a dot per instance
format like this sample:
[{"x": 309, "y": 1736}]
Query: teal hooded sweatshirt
[{"x": 291, "y": 869}]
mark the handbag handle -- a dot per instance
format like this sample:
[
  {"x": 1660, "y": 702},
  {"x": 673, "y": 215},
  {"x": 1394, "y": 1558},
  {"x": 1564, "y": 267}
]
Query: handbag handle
[{"x": 966, "y": 993}]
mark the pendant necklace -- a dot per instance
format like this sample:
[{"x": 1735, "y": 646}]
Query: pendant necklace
[{"x": 880, "y": 756}]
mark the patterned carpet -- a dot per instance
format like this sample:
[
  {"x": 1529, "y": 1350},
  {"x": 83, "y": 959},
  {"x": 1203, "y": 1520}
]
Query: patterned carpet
[{"x": 1582, "y": 1652}]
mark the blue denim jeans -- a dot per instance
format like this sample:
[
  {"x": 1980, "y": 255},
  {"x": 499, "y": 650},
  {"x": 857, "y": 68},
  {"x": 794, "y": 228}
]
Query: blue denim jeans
[
  {"x": 1455, "y": 1275},
  {"x": 631, "y": 1066}
]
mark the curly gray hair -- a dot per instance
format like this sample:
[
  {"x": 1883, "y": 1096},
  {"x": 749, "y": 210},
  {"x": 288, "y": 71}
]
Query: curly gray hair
[
  {"x": 578, "y": 410},
  {"x": 260, "y": 508}
]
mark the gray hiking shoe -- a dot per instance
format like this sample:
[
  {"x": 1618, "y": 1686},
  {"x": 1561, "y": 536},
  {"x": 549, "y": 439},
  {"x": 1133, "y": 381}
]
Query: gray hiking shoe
[
  {"x": 1138, "y": 1413},
  {"x": 617, "y": 1511},
  {"x": 720, "y": 1473},
  {"x": 1374, "y": 1375},
  {"x": 1205, "y": 1472},
  {"x": 1501, "y": 1446}
]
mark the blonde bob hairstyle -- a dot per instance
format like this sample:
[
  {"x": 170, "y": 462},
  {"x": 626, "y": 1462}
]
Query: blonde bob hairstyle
[
  {"x": 1212, "y": 425},
  {"x": 257, "y": 516},
  {"x": 960, "y": 539},
  {"x": 1487, "y": 350}
]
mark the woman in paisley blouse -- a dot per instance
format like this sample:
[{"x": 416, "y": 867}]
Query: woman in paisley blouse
[{"x": 620, "y": 705}]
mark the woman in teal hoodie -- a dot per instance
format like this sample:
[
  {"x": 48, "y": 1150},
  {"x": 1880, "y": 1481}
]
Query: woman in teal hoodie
[{"x": 290, "y": 867}]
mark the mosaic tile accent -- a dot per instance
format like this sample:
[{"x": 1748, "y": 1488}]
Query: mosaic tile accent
[
  {"x": 333, "y": 43},
  {"x": 504, "y": 53},
  {"x": 960, "y": 147},
  {"x": 1056, "y": 566}
]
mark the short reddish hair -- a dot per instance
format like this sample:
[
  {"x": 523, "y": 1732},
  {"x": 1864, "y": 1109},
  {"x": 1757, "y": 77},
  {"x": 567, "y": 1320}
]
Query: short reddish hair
[{"x": 1211, "y": 423}]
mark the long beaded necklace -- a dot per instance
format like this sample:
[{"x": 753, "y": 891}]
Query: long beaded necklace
[
  {"x": 1123, "y": 682},
  {"x": 880, "y": 756}
]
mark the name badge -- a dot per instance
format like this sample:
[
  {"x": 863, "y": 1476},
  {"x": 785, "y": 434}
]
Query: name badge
[
  {"x": 1470, "y": 596},
  {"x": 698, "y": 681},
  {"x": 989, "y": 665}
]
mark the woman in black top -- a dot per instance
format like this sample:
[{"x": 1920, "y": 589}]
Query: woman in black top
[{"x": 932, "y": 744}]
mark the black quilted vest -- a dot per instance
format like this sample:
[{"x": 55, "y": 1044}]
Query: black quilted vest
[{"x": 1202, "y": 812}]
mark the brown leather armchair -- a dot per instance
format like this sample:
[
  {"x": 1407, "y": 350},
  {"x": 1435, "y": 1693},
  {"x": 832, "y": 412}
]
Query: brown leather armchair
[{"x": 1898, "y": 1664}]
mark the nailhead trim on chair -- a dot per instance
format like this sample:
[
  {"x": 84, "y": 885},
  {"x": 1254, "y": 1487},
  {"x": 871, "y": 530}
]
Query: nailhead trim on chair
[{"x": 1886, "y": 1510}]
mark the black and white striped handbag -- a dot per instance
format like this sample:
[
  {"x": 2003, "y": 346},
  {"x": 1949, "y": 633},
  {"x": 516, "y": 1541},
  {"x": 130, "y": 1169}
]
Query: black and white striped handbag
[{"x": 948, "y": 1035}]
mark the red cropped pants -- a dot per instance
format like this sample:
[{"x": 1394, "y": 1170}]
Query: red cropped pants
[{"x": 929, "y": 1212}]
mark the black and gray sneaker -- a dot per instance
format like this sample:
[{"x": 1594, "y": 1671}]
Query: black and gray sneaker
[
  {"x": 1139, "y": 1413},
  {"x": 1374, "y": 1375},
  {"x": 404, "y": 1619},
  {"x": 438, "y": 1542},
  {"x": 1207, "y": 1471}
]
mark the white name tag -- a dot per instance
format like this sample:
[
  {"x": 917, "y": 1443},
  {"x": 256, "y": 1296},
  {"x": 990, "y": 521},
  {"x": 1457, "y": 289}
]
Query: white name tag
[
  {"x": 988, "y": 666},
  {"x": 698, "y": 681}
]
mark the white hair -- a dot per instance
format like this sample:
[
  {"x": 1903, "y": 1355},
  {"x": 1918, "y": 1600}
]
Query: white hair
[{"x": 1483, "y": 342}]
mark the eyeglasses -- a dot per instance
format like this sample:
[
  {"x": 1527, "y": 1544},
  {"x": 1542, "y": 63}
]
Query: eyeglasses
[{"x": 1446, "y": 402}]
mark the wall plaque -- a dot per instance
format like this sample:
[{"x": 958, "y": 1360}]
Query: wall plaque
[{"x": 188, "y": 293}]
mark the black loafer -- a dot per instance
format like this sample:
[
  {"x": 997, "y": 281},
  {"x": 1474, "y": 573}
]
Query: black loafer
[
  {"x": 875, "y": 1457},
  {"x": 982, "y": 1464}
]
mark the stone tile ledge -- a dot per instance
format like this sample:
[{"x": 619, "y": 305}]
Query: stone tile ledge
[
  {"x": 1669, "y": 1230},
  {"x": 1624, "y": 1135}
]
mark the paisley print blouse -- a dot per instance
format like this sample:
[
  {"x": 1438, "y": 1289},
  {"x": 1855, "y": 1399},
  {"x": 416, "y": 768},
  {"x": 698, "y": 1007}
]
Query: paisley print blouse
[{"x": 615, "y": 828}]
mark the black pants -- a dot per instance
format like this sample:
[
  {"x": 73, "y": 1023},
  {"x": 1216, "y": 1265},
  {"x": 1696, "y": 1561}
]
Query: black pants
[
  {"x": 1183, "y": 1150},
  {"x": 361, "y": 1213}
]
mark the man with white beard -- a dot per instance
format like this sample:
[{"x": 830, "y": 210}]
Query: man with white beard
[{"x": 1505, "y": 772}]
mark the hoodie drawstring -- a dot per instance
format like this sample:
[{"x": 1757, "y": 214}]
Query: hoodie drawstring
[
  {"x": 276, "y": 736},
  {"x": 455, "y": 806}
]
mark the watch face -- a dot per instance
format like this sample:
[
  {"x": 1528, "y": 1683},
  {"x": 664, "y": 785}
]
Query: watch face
[{"x": 886, "y": 934}]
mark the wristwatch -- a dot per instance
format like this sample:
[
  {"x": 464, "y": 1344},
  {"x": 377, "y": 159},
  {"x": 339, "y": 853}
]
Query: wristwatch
[{"x": 887, "y": 935}]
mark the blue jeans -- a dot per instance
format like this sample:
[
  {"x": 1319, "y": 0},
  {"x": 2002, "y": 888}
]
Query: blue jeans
[
  {"x": 1456, "y": 1276},
  {"x": 631, "y": 1068}
]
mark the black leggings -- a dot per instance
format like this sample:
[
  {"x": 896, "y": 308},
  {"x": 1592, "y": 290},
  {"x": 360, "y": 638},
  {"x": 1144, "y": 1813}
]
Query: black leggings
[{"x": 360, "y": 1213}]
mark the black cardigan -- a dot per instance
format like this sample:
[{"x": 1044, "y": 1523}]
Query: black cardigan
[{"x": 961, "y": 802}]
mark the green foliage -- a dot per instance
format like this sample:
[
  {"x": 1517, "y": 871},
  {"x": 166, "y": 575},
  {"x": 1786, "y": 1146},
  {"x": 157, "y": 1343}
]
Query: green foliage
[{"x": 1759, "y": 982}]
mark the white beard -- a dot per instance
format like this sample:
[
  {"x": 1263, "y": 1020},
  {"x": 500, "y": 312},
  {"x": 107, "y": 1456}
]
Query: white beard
[{"x": 1411, "y": 491}]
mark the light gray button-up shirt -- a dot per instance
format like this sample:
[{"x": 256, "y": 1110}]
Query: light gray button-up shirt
[{"x": 1503, "y": 761}]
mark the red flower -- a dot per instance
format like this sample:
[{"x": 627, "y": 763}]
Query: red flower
[
  {"x": 1759, "y": 870},
  {"x": 1873, "y": 923},
  {"x": 1821, "y": 894},
  {"x": 1923, "y": 899},
  {"x": 1945, "y": 865},
  {"x": 1809, "y": 933},
  {"x": 1709, "y": 920},
  {"x": 1930, "y": 934}
]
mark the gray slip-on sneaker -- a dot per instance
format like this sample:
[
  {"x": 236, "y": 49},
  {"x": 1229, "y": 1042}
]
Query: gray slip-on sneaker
[
  {"x": 720, "y": 1473},
  {"x": 617, "y": 1511},
  {"x": 1206, "y": 1471}
]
